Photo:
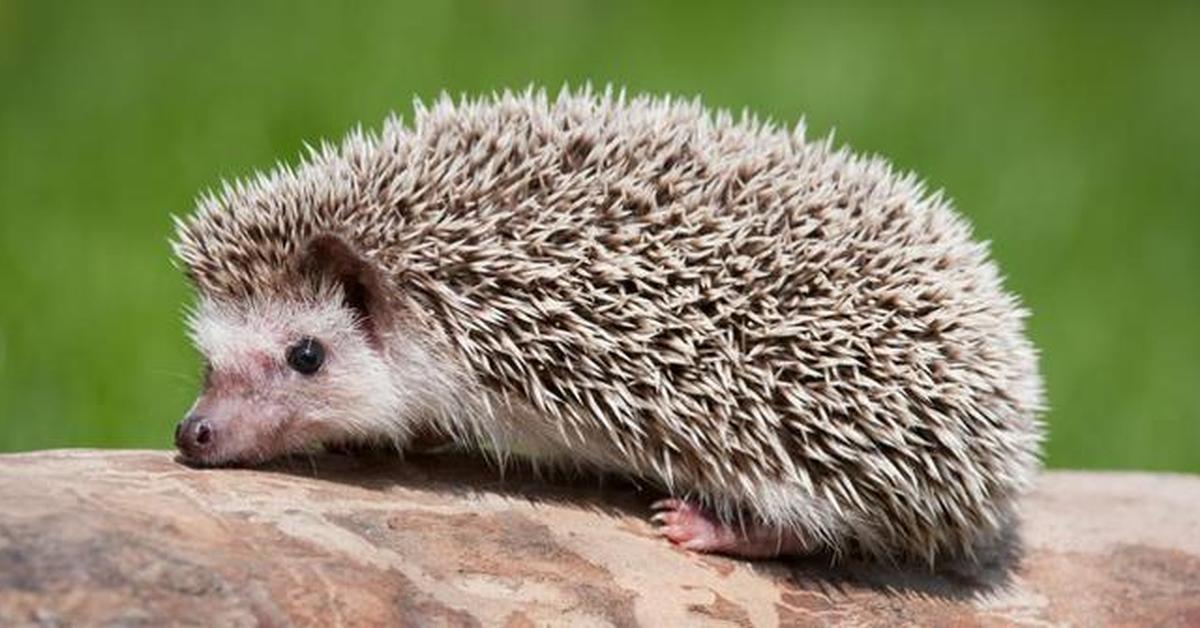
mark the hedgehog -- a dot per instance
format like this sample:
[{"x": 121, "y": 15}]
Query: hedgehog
[{"x": 804, "y": 349}]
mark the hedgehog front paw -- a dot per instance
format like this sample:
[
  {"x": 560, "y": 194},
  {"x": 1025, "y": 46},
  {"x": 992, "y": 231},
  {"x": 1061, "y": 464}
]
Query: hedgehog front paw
[{"x": 689, "y": 526}]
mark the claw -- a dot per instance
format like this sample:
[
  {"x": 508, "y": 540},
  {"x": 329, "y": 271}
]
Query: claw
[{"x": 669, "y": 503}]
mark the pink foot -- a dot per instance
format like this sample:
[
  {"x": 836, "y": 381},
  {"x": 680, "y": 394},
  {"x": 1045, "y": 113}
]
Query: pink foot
[{"x": 690, "y": 527}]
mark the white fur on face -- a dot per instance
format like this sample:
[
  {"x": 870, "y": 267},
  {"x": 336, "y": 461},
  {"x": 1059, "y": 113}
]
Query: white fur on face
[{"x": 261, "y": 408}]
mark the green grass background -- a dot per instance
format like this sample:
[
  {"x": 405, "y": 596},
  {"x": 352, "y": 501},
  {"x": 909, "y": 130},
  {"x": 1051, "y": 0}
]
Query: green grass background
[{"x": 1068, "y": 133}]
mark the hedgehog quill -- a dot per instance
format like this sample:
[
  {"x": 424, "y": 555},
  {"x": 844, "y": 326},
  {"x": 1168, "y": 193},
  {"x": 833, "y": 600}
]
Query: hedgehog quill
[{"x": 804, "y": 348}]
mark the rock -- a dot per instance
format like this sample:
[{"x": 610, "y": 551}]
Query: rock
[{"x": 133, "y": 537}]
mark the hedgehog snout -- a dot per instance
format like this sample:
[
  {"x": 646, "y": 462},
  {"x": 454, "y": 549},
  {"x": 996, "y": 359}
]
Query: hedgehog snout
[{"x": 195, "y": 436}]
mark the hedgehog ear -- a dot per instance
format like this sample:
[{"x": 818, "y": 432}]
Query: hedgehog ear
[{"x": 363, "y": 283}]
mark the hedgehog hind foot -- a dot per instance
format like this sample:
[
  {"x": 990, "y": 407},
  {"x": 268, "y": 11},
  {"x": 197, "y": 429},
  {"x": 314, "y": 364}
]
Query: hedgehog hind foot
[{"x": 691, "y": 527}]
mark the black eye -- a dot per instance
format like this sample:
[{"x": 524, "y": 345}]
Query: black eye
[{"x": 306, "y": 356}]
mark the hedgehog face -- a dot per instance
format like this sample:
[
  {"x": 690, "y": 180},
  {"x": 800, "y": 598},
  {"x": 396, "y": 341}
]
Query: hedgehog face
[
  {"x": 283, "y": 376},
  {"x": 330, "y": 363}
]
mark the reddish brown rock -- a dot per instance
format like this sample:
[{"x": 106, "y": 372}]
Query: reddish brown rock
[{"x": 90, "y": 537}]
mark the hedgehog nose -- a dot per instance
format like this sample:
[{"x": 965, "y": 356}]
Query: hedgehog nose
[{"x": 194, "y": 436}]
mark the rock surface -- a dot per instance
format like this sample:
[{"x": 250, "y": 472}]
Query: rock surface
[{"x": 133, "y": 537}]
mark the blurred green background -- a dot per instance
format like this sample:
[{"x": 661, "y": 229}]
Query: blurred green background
[{"x": 1069, "y": 134}]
